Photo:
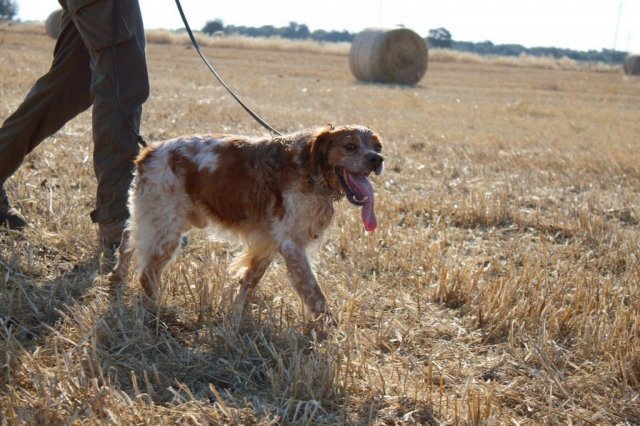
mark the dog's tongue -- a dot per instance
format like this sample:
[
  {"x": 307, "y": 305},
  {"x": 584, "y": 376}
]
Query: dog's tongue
[{"x": 361, "y": 184}]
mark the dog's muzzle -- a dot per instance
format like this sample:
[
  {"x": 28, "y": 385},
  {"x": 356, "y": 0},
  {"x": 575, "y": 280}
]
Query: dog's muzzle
[{"x": 376, "y": 162}]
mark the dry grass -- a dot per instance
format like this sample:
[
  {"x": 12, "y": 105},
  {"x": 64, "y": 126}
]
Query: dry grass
[
  {"x": 243, "y": 42},
  {"x": 501, "y": 287}
]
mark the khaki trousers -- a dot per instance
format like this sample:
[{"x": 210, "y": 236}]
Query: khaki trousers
[{"x": 82, "y": 75}]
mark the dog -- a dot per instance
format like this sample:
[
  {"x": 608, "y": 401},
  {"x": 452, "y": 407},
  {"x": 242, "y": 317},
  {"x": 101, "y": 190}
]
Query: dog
[{"x": 274, "y": 195}]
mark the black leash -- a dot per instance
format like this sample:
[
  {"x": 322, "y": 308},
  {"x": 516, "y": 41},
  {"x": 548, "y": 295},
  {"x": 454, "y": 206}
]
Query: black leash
[{"x": 213, "y": 71}]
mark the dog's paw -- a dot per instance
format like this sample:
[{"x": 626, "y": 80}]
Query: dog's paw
[
  {"x": 320, "y": 326},
  {"x": 327, "y": 321},
  {"x": 114, "y": 279}
]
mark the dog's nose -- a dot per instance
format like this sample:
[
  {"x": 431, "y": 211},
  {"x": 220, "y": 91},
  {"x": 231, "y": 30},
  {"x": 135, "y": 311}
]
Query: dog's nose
[{"x": 375, "y": 160}]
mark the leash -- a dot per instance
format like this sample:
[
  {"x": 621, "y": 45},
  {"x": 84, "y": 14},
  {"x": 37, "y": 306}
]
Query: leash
[{"x": 213, "y": 71}]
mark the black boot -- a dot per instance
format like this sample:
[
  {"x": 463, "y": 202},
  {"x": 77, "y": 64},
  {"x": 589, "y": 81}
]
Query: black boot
[{"x": 9, "y": 217}]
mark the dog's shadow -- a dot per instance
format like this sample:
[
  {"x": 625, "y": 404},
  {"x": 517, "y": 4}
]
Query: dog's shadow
[{"x": 164, "y": 356}]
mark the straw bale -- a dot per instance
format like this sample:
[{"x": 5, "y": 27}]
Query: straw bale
[
  {"x": 388, "y": 56},
  {"x": 53, "y": 23},
  {"x": 632, "y": 64}
]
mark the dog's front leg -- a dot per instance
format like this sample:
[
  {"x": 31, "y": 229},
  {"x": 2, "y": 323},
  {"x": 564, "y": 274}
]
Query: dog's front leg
[
  {"x": 303, "y": 280},
  {"x": 119, "y": 273},
  {"x": 254, "y": 272}
]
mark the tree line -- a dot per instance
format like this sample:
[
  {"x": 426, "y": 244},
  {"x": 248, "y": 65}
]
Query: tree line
[
  {"x": 441, "y": 38},
  {"x": 293, "y": 31},
  {"x": 488, "y": 48},
  {"x": 438, "y": 38}
]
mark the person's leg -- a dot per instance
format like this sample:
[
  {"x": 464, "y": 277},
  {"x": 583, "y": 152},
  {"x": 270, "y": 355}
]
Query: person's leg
[
  {"x": 57, "y": 97},
  {"x": 115, "y": 122}
]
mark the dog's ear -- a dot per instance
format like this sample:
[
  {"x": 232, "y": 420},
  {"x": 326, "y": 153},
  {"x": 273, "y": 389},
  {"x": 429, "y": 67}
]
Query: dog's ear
[{"x": 319, "y": 146}]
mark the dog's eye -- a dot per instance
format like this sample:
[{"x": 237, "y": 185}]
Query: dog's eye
[
  {"x": 377, "y": 148},
  {"x": 350, "y": 146}
]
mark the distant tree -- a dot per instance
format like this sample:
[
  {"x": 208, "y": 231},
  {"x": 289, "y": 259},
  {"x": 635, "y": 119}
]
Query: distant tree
[
  {"x": 511, "y": 50},
  {"x": 8, "y": 10},
  {"x": 264, "y": 31},
  {"x": 296, "y": 31},
  {"x": 343, "y": 35},
  {"x": 319, "y": 35},
  {"x": 485, "y": 48},
  {"x": 439, "y": 37},
  {"x": 211, "y": 26},
  {"x": 332, "y": 36}
]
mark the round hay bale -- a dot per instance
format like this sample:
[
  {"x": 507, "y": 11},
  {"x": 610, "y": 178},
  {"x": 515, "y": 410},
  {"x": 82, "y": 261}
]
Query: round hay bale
[
  {"x": 632, "y": 64},
  {"x": 53, "y": 23},
  {"x": 388, "y": 56}
]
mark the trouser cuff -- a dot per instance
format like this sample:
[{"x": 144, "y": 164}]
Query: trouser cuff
[{"x": 101, "y": 217}]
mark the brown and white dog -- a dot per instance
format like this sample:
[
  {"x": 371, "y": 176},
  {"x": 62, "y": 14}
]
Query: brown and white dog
[{"x": 275, "y": 195}]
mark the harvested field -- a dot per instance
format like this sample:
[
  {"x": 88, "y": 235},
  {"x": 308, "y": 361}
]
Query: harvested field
[{"x": 502, "y": 285}]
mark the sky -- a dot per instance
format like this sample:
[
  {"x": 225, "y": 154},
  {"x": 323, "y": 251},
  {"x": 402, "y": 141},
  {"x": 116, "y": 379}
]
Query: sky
[{"x": 573, "y": 24}]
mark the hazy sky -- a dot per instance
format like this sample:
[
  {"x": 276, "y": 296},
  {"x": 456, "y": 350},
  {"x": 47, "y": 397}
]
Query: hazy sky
[{"x": 575, "y": 24}]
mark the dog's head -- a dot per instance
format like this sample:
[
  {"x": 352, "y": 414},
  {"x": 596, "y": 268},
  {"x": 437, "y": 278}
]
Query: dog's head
[{"x": 345, "y": 157}]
